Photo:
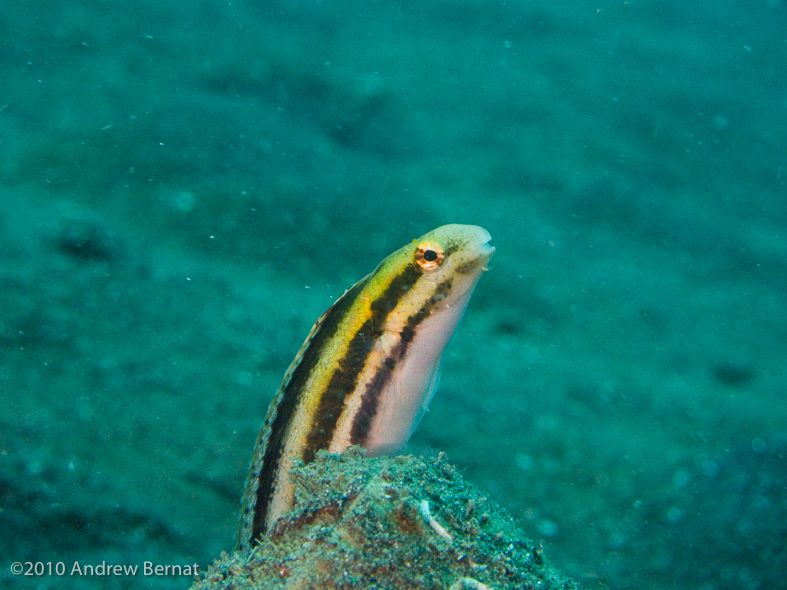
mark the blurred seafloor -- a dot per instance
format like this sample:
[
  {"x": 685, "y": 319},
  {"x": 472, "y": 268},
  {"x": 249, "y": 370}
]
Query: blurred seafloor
[{"x": 186, "y": 186}]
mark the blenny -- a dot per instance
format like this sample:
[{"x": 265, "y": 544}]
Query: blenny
[{"x": 368, "y": 368}]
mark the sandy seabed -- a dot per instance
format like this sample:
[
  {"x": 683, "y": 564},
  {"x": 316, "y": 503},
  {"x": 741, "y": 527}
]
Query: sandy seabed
[{"x": 184, "y": 188}]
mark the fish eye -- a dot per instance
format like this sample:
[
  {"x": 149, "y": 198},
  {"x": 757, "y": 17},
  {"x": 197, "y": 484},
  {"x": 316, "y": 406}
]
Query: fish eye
[{"x": 429, "y": 255}]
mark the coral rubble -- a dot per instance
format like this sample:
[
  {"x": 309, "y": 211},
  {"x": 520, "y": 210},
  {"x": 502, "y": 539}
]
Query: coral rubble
[{"x": 383, "y": 523}]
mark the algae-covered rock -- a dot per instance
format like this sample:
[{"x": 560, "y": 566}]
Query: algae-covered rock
[{"x": 386, "y": 523}]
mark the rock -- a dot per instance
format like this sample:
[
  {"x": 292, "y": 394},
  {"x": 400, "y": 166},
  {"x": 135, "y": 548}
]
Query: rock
[{"x": 386, "y": 523}]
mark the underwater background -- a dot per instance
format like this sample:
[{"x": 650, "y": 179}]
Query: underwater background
[{"x": 186, "y": 186}]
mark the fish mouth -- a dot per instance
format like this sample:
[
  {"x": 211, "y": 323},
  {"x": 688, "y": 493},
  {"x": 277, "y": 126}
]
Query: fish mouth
[
  {"x": 477, "y": 249},
  {"x": 487, "y": 250}
]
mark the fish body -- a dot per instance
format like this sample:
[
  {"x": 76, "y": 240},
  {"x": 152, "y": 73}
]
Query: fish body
[{"x": 368, "y": 368}]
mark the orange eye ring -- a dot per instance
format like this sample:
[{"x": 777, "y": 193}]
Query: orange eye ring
[{"x": 429, "y": 255}]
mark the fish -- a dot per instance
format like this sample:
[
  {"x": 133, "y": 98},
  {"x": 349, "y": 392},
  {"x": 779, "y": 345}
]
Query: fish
[{"x": 368, "y": 368}]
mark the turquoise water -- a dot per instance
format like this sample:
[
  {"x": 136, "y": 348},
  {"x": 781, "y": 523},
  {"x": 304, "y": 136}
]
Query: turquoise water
[{"x": 185, "y": 187}]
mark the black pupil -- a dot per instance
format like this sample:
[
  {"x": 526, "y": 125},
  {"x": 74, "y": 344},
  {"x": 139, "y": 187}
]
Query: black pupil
[{"x": 430, "y": 255}]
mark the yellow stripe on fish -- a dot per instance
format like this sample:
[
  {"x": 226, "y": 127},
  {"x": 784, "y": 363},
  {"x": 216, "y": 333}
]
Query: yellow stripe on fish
[{"x": 368, "y": 368}]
